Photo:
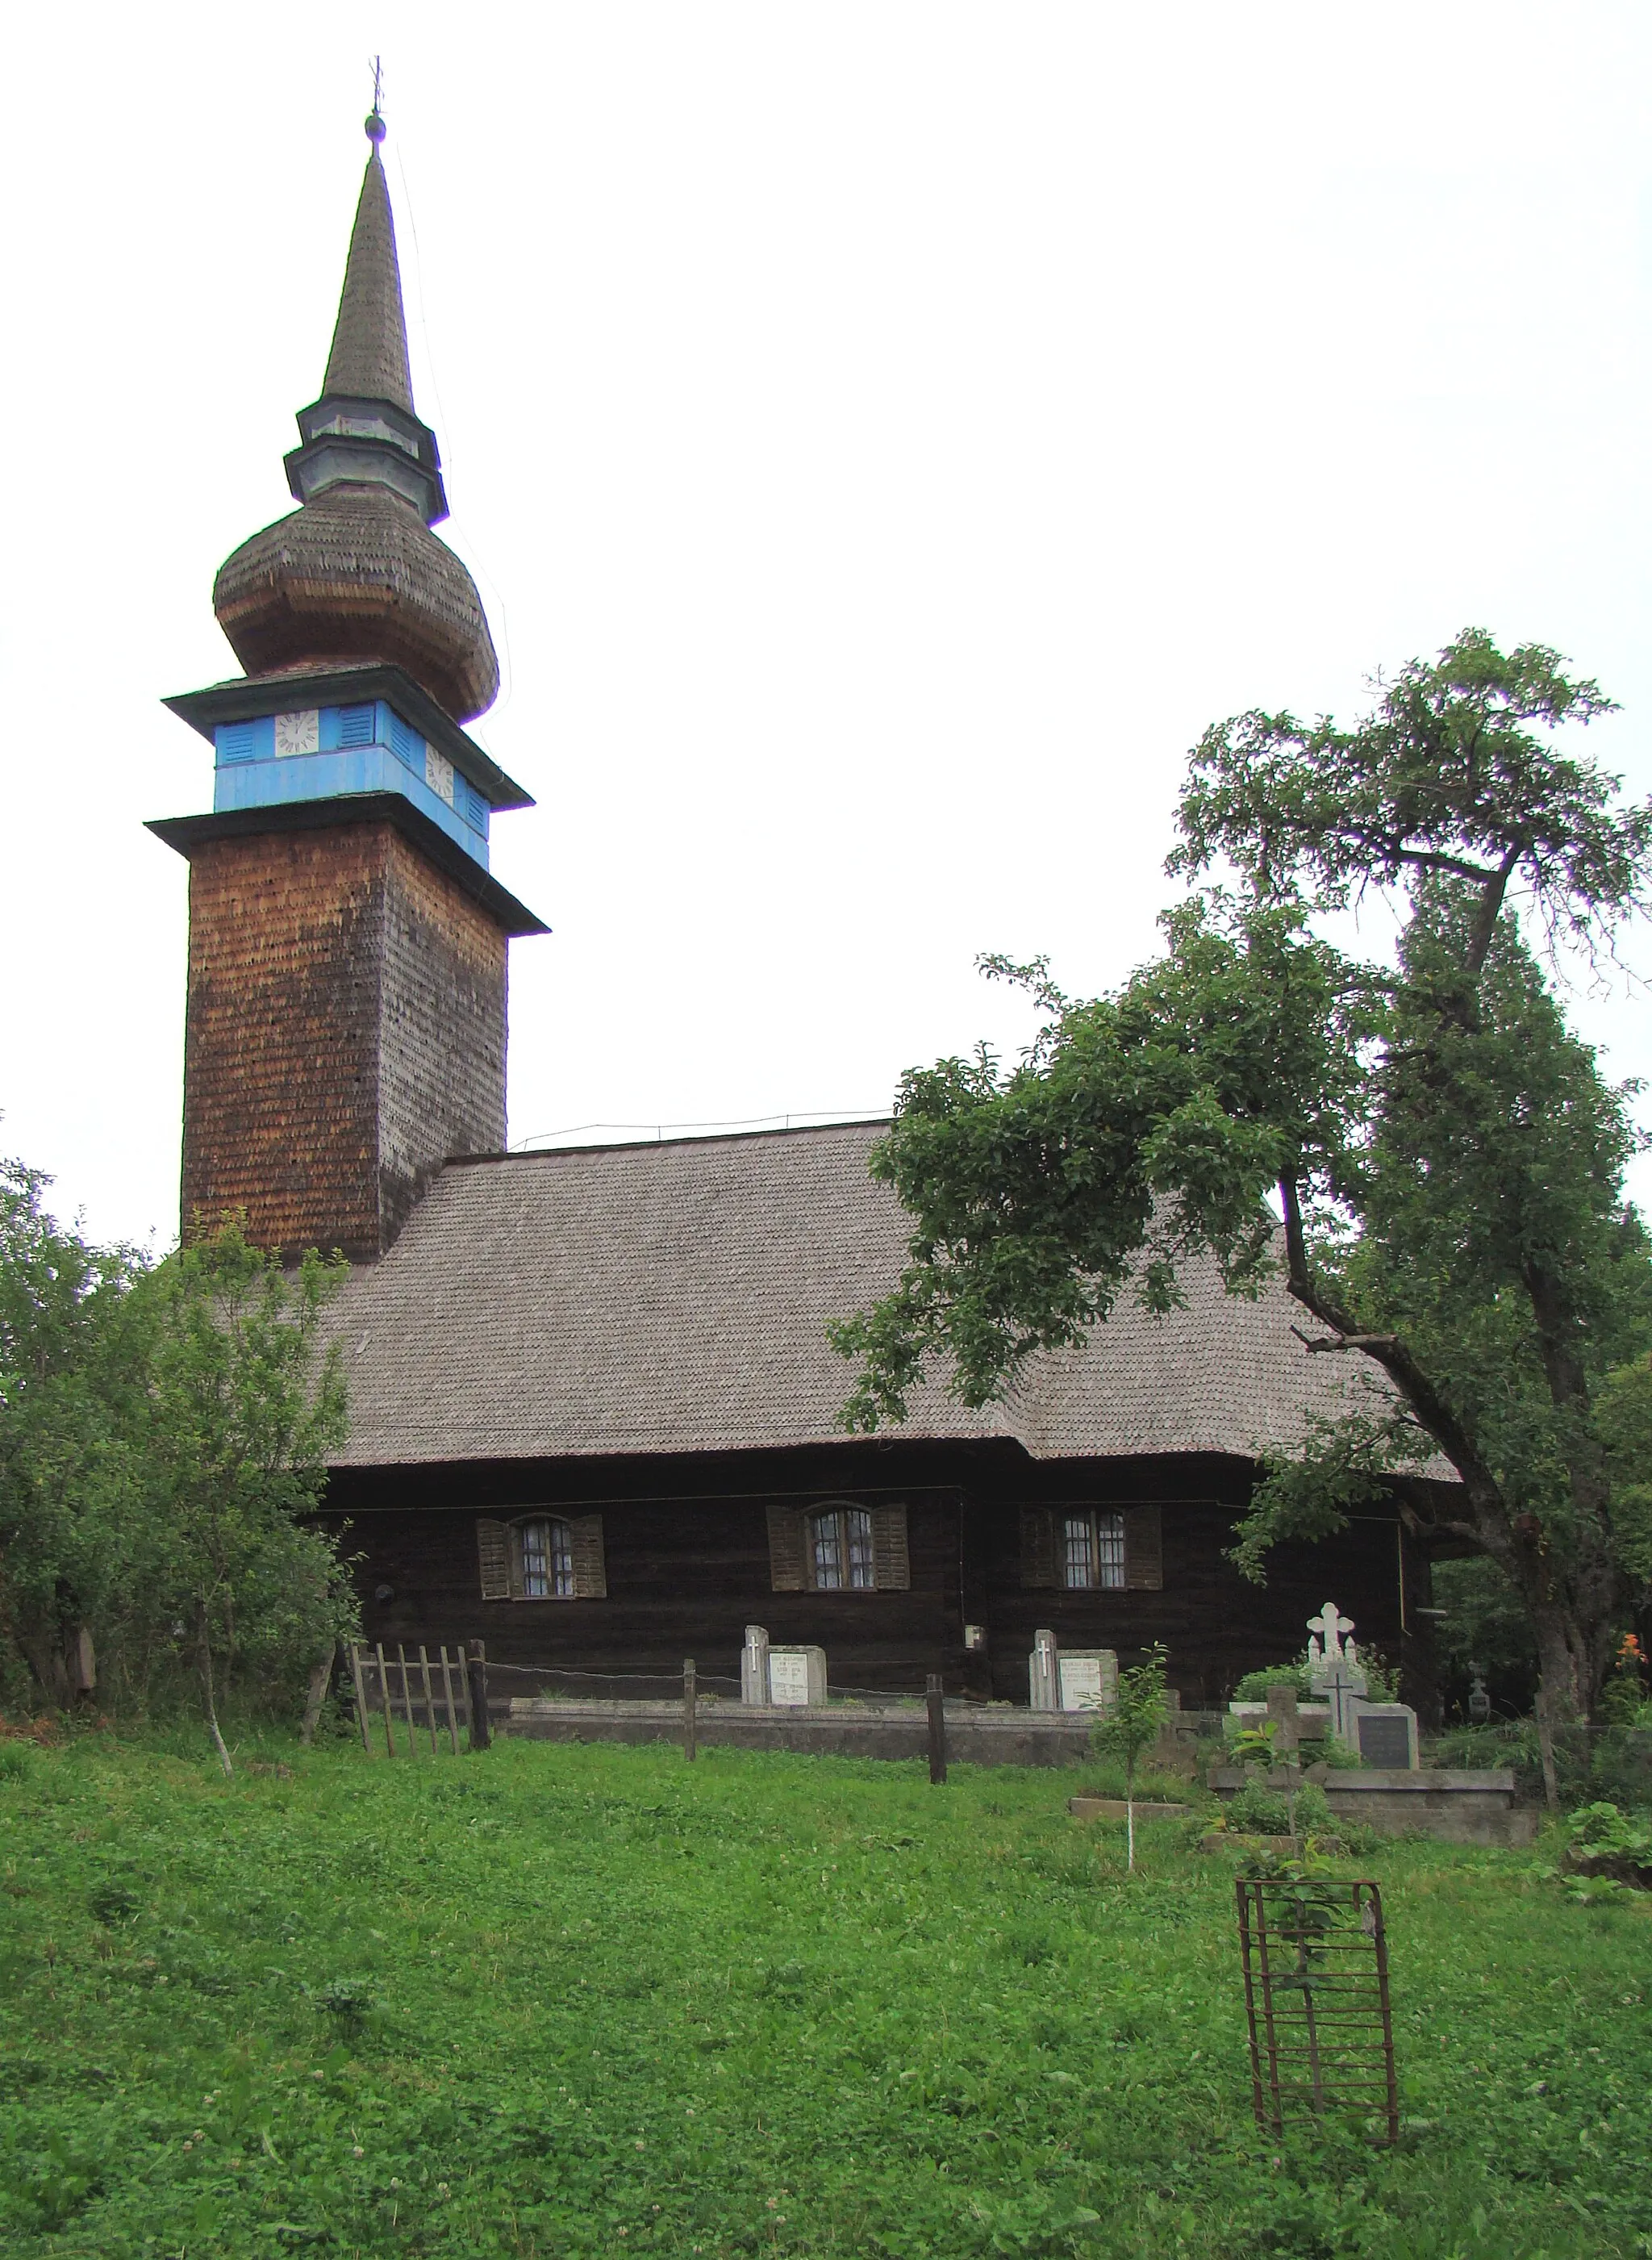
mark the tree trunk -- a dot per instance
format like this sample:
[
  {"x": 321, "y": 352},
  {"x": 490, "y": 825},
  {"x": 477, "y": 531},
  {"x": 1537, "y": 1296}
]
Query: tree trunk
[
  {"x": 316, "y": 1697},
  {"x": 219, "y": 1743}
]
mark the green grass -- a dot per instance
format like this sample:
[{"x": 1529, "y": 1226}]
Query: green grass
[{"x": 566, "y": 2001}]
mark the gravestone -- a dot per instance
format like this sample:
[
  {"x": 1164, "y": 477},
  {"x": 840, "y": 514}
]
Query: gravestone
[
  {"x": 796, "y": 1677},
  {"x": 753, "y": 1666},
  {"x": 1335, "y": 1673},
  {"x": 1387, "y": 1734},
  {"x": 1287, "y": 1724},
  {"x": 1043, "y": 1671},
  {"x": 1087, "y": 1678}
]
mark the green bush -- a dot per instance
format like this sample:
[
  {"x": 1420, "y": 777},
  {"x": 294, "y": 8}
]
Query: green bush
[
  {"x": 1258, "y": 1812},
  {"x": 1312, "y": 1812},
  {"x": 1601, "y": 1840}
]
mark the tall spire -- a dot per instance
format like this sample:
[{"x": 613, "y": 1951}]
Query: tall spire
[
  {"x": 364, "y": 428},
  {"x": 368, "y": 360},
  {"x": 357, "y": 574}
]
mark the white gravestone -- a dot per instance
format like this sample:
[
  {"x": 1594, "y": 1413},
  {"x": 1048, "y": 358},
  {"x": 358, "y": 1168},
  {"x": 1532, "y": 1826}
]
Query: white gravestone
[
  {"x": 796, "y": 1677},
  {"x": 753, "y": 1666},
  {"x": 1088, "y": 1679},
  {"x": 1043, "y": 1672},
  {"x": 1335, "y": 1673}
]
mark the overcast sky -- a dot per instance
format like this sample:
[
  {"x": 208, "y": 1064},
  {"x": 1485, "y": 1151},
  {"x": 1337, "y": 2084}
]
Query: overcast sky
[{"x": 884, "y": 436}]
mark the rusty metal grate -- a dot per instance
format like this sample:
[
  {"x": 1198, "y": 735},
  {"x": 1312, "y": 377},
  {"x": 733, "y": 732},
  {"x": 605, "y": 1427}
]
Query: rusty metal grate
[{"x": 1316, "y": 1996}]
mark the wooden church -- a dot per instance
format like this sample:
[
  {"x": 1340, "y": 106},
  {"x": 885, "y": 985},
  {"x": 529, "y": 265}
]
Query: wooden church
[{"x": 593, "y": 1412}]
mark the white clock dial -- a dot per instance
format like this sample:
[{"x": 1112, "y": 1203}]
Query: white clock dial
[{"x": 298, "y": 733}]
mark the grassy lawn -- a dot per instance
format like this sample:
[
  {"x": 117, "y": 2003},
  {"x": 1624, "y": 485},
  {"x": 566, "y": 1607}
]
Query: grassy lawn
[{"x": 566, "y": 2001}]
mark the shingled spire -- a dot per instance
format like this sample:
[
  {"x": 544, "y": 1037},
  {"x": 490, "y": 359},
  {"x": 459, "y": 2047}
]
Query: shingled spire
[{"x": 368, "y": 360}]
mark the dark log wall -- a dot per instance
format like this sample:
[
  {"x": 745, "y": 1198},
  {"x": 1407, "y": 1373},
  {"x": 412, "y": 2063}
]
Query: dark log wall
[{"x": 687, "y": 1555}]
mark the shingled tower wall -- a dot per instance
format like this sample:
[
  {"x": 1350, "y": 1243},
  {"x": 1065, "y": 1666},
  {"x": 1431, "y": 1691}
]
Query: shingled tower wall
[
  {"x": 346, "y": 1027},
  {"x": 346, "y": 1035}
]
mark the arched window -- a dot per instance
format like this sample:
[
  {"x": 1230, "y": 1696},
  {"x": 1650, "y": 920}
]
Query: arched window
[
  {"x": 546, "y": 1554},
  {"x": 841, "y": 1550},
  {"x": 1093, "y": 1552}
]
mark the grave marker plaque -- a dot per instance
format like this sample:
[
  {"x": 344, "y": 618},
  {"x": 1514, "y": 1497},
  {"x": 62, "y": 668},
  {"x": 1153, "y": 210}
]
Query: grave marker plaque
[
  {"x": 1387, "y": 1734},
  {"x": 796, "y": 1677},
  {"x": 1088, "y": 1679}
]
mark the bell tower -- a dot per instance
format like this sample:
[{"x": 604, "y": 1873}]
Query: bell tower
[{"x": 345, "y": 1021}]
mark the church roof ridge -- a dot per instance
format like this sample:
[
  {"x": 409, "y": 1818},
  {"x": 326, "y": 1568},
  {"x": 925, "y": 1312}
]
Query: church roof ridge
[{"x": 713, "y": 1135}]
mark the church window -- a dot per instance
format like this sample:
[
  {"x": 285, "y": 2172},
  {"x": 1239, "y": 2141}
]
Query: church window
[
  {"x": 542, "y": 1557},
  {"x": 841, "y": 1550},
  {"x": 1088, "y": 1549},
  {"x": 546, "y": 1550},
  {"x": 1093, "y": 1552},
  {"x": 838, "y": 1548}
]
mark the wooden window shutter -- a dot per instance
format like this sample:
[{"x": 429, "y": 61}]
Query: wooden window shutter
[
  {"x": 891, "y": 1570},
  {"x": 786, "y": 1551},
  {"x": 1143, "y": 1550},
  {"x": 1038, "y": 1559},
  {"x": 590, "y": 1567},
  {"x": 493, "y": 1557}
]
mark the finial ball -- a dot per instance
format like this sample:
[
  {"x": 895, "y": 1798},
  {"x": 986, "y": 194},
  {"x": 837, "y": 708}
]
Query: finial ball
[{"x": 374, "y": 127}]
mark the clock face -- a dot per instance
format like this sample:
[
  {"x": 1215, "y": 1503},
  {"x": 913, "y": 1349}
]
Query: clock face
[
  {"x": 438, "y": 774},
  {"x": 298, "y": 733}
]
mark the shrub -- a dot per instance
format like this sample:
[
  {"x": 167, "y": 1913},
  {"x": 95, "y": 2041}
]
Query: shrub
[
  {"x": 1259, "y": 1811},
  {"x": 1602, "y": 1841}
]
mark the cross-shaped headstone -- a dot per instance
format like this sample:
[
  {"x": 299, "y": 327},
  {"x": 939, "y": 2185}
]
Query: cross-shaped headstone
[{"x": 1326, "y": 1633}]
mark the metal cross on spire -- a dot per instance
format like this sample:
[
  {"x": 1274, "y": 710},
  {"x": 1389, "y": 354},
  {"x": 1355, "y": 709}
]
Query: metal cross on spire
[{"x": 375, "y": 118}]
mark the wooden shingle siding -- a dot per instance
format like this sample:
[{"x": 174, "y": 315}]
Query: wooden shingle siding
[{"x": 344, "y": 1033}]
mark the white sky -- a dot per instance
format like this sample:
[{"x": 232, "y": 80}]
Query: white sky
[{"x": 884, "y": 434}]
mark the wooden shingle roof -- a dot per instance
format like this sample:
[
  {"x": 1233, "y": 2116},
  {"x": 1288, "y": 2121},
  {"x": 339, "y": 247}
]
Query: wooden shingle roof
[{"x": 674, "y": 1298}]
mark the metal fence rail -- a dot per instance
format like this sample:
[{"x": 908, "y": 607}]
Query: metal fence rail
[{"x": 1315, "y": 1959}]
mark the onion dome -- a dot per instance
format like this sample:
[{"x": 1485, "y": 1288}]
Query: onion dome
[{"x": 356, "y": 572}]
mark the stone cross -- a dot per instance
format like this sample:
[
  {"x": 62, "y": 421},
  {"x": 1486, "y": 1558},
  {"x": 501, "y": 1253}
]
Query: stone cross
[{"x": 1327, "y": 1629}]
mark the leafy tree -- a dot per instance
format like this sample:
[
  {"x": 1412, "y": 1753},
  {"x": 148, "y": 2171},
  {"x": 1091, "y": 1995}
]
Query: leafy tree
[
  {"x": 1445, "y": 1158},
  {"x": 242, "y": 1413},
  {"x": 1140, "y": 1707},
  {"x": 163, "y": 1437},
  {"x": 71, "y": 1366}
]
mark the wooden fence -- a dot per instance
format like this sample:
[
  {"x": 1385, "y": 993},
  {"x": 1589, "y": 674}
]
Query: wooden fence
[{"x": 419, "y": 1692}]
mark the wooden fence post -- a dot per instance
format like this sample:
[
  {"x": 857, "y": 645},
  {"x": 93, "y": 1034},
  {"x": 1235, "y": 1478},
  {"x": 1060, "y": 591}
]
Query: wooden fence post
[
  {"x": 384, "y": 1699},
  {"x": 689, "y": 1720},
  {"x": 360, "y": 1685},
  {"x": 447, "y": 1696},
  {"x": 476, "y": 1673},
  {"x": 937, "y": 1731}
]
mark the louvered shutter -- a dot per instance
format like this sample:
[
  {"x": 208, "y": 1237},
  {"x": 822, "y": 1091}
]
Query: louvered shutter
[
  {"x": 493, "y": 1557},
  {"x": 785, "y": 1549},
  {"x": 590, "y": 1568},
  {"x": 1143, "y": 1550},
  {"x": 892, "y": 1570},
  {"x": 1038, "y": 1546}
]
